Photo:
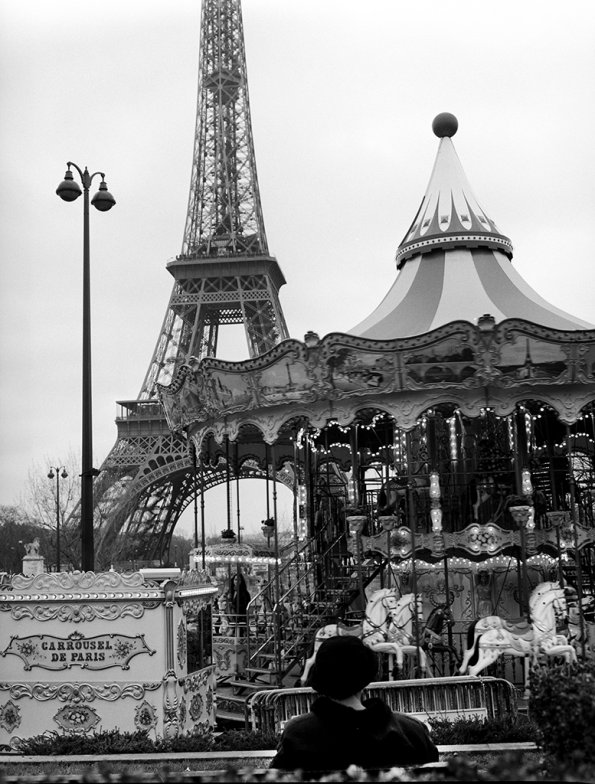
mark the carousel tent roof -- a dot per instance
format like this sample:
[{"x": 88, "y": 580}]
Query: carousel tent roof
[{"x": 454, "y": 264}]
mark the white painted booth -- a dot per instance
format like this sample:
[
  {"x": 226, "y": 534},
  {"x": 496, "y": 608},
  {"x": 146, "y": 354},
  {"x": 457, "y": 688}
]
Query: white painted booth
[{"x": 85, "y": 652}]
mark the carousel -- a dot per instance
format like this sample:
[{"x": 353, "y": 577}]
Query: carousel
[{"x": 441, "y": 451}]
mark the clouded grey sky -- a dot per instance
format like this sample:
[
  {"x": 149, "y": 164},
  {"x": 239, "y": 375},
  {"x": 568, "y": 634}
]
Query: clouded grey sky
[{"x": 343, "y": 94}]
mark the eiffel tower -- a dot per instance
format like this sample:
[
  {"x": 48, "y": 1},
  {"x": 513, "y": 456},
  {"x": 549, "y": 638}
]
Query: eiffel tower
[{"x": 224, "y": 275}]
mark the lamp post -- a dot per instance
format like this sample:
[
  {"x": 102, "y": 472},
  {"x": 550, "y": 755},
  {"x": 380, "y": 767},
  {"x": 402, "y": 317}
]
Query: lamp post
[
  {"x": 69, "y": 190},
  {"x": 60, "y": 472}
]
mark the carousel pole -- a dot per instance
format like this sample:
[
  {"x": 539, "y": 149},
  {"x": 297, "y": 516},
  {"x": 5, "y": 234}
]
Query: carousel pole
[
  {"x": 295, "y": 491},
  {"x": 577, "y": 554},
  {"x": 354, "y": 444},
  {"x": 227, "y": 483},
  {"x": 228, "y": 505},
  {"x": 552, "y": 480},
  {"x": 195, "y": 489},
  {"x": 436, "y": 518},
  {"x": 412, "y": 524},
  {"x": 203, "y": 538},
  {"x": 266, "y": 452},
  {"x": 522, "y": 578},
  {"x": 308, "y": 484},
  {"x": 329, "y": 503},
  {"x": 448, "y": 604},
  {"x": 237, "y": 470},
  {"x": 278, "y": 625},
  {"x": 559, "y": 551},
  {"x": 355, "y": 465}
]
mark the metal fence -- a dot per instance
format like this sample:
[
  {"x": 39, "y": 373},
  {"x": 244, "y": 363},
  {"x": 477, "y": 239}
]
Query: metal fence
[{"x": 446, "y": 698}]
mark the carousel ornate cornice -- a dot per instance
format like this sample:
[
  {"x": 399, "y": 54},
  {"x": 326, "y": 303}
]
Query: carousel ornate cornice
[
  {"x": 476, "y": 542},
  {"x": 472, "y": 367}
]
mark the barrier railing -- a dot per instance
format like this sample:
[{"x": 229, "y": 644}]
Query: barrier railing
[{"x": 445, "y": 698}]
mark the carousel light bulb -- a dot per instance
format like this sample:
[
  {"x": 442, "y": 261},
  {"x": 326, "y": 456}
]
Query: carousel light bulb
[
  {"x": 436, "y": 517},
  {"x": 434, "y": 485},
  {"x": 526, "y": 485}
]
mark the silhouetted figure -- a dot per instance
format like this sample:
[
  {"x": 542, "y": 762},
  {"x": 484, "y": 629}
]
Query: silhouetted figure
[
  {"x": 239, "y": 597},
  {"x": 342, "y": 730}
]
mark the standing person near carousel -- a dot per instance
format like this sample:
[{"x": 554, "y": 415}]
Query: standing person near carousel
[
  {"x": 342, "y": 730},
  {"x": 239, "y": 596}
]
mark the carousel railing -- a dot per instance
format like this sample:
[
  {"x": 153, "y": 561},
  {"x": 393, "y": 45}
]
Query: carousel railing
[
  {"x": 262, "y": 616},
  {"x": 304, "y": 594},
  {"x": 443, "y": 698}
]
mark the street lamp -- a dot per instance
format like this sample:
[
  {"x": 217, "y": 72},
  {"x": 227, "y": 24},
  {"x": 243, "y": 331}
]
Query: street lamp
[
  {"x": 69, "y": 190},
  {"x": 63, "y": 475}
]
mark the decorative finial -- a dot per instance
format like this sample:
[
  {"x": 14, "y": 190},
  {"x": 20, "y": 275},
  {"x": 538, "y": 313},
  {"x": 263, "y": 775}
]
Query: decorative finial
[{"x": 445, "y": 124}]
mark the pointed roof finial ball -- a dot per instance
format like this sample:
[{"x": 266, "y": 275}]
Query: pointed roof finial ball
[{"x": 445, "y": 124}]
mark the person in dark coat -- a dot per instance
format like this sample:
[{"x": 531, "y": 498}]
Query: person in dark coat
[
  {"x": 239, "y": 597},
  {"x": 342, "y": 730}
]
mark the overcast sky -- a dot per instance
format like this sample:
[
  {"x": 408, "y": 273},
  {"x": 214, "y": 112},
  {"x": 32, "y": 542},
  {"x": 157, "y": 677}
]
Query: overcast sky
[{"x": 343, "y": 94}]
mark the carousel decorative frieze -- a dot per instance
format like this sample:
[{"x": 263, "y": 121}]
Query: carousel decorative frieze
[
  {"x": 457, "y": 356},
  {"x": 57, "y": 582},
  {"x": 477, "y": 540},
  {"x": 76, "y": 613},
  {"x": 79, "y": 692}
]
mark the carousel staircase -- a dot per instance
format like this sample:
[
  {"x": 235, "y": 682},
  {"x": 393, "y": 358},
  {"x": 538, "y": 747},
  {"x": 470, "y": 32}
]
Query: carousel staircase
[{"x": 314, "y": 586}]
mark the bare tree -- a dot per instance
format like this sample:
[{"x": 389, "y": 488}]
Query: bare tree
[
  {"x": 15, "y": 532},
  {"x": 49, "y": 501}
]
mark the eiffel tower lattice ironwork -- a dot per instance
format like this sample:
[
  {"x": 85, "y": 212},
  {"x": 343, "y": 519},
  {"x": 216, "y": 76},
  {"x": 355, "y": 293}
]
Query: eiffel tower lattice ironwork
[{"x": 224, "y": 275}]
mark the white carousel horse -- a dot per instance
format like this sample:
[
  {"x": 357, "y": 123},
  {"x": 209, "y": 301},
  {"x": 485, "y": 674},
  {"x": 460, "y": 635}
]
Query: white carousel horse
[
  {"x": 386, "y": 628},
  {"x": 491, "y": 637}
]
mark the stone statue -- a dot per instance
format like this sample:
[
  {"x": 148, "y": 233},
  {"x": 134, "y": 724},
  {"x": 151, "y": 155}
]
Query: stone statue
[{"x": 32, "y": 548}]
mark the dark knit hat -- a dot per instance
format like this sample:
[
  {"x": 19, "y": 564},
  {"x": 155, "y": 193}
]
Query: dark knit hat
[{"x": 343, "y": 667}]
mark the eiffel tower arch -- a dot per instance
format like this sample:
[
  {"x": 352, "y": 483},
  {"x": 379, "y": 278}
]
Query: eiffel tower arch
[{"x": 223, "y": 275}]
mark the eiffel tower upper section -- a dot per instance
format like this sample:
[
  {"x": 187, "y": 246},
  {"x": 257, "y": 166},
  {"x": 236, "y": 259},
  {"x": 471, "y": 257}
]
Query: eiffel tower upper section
[
  {"x": 224, "y": 211},
  {"x": 224, "y": 274}
]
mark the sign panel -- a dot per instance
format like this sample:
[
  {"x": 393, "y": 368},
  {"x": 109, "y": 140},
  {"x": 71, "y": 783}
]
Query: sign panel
[{"x": 76, "y": 650}]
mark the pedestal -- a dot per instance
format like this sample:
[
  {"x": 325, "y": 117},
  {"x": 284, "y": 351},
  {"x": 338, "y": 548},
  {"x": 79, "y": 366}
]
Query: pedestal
[{"x": 33, "y": 565}]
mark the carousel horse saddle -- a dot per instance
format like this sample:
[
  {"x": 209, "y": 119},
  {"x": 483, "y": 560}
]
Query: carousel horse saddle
[
  {"x": 520, "y": 627},
  {"x": 349, "y": 629}
]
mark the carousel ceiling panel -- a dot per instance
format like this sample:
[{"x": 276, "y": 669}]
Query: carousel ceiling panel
[{"x": 460, "y": 362}]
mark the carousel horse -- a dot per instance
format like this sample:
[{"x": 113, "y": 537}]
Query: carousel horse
[
  {"x": 491, "y": 637},
  {"x": 431, "y": 637},
  {"x": 386, "y": 628},
  {"x": 576, "y": 631}
]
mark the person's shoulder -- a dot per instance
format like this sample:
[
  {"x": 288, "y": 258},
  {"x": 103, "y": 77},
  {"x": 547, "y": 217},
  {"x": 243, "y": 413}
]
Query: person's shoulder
[
  {"x": 410, "y": 722},
  {"x": 417, "y": 734},
  {"x": 298, "y": 723}
]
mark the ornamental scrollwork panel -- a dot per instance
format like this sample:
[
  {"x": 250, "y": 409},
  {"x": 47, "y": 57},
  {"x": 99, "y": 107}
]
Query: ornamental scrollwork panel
[
  {"x": 75, "y": 613},
  {"x": 77, "y": 718},
  {"x": 459, "y": 357},
  {"x": 78, "y": 692},
  {"x": 56, "y": 582},
  {"x": 182, "y": 643},
  {"x": 485, "y": 540},
  {"x": 10, "y": 716},
  {"x": 145, "y": 717}
]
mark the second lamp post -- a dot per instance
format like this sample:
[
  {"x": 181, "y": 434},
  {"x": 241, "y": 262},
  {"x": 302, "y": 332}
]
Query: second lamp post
[
  {"x": 60, "y": 473},
  {"x": 69, "y": 190}
]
